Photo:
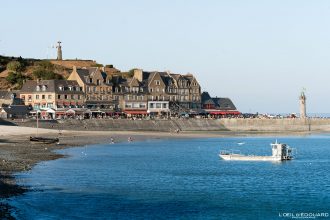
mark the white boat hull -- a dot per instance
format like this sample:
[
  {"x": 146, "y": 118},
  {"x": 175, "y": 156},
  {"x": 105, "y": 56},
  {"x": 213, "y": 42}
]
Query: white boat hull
[{"x": 248, "y": 158}]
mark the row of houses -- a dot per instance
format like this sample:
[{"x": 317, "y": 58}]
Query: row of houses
[{"x": 106, "y": 91}]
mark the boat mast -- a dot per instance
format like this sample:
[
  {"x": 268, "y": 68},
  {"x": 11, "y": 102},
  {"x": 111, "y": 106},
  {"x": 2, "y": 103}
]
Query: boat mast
[{"x": 37, "y": 123}]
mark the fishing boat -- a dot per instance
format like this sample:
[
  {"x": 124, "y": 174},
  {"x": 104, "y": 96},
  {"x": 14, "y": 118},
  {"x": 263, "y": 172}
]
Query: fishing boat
[
  {"x": 44, "y": 140},
  {"x": 280, "y": 152}
]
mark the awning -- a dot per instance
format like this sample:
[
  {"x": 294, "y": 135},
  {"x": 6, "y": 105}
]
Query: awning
[
  {"x": 136, "y": 112},
  {"x": 51, "y": 111},
  {"x": 70, "y": 111},
  {"x": 225, "y": 113}
]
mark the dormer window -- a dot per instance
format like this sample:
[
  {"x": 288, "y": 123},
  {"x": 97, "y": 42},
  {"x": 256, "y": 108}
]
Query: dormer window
[
  {"x": 38, "y": 88},
  {"x": 61, "y": 88},
  {"x": 70, "y": 88},
  {"x": 90, "y": 80},
  {"x": 44, "y": 87}
]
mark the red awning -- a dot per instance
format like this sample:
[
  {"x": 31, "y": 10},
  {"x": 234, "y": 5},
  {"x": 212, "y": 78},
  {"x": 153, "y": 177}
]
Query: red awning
[
  {"x": 136, "y": 112},
  {"x": 225, "y": 113}
]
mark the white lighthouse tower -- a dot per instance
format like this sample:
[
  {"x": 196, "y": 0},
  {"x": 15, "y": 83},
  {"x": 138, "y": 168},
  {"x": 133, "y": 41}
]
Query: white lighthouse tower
[{"x": 302, "y": 100}]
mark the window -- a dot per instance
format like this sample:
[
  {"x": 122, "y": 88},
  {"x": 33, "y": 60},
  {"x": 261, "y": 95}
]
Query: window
[
  {"x": 151, "y": 90},
  {"x": 38, "y": 88},
  {"x": 98, "y": 82},
  {"x": 59, "y": 96},
  {"x": 70, "y": 88},
  {"x": 23, "y": 97},
  {"x": 65, "y": 96},
  {"x": 37, "y": 96},
  {"x": 72, "y": 96},
  {"x": 164, "y": 105},
  {"x": 43, "y": 96},
  {"x": 151, "y": 105},
  {"x": 158, "y": 105},
  {"x": 29, "y": 98},
  {"x": 79, "y": 97},
  {"x": 157, "y": 82},
  {"x": 141, "y": 89},
  {"x": 49, "y": 96},
  {"x": 90, "y": 80},
  {"x": 44, "y": 87},
  {"x": 50, "y": 105}
]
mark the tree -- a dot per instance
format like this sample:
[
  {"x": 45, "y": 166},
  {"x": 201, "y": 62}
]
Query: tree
[
  {"x": 16, "y": 78},
  {"x": 15, "y": 66}
]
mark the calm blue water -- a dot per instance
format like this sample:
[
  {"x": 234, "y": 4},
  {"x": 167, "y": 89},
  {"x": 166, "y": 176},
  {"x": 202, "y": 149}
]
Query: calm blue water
[{"x": 181, "y": 179}]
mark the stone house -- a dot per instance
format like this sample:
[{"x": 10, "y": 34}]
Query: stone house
[
  {"x": 52, "y": 94},
  {"x": 97, "y": 86}
]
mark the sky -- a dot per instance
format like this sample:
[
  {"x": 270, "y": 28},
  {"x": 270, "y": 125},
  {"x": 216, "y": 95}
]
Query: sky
[{"x": 258, "y": 53}]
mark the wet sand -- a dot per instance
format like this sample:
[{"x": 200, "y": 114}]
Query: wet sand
[{"x": 18, "y": 154}]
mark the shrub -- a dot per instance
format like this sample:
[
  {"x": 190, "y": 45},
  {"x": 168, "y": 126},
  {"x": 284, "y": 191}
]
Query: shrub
[
  {"x": 46, "y": 74},
  {"x": 15, "y": 66}
]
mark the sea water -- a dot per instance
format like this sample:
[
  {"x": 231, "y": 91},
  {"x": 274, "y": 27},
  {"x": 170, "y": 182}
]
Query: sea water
[{"x": 179, "y": 179}]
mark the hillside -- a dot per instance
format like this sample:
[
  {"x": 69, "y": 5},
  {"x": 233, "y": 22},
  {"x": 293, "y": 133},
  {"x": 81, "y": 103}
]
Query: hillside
[{"x": 60, "y": 67}]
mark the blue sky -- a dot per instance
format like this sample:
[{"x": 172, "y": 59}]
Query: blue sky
[{"x": 258, "y": 53}]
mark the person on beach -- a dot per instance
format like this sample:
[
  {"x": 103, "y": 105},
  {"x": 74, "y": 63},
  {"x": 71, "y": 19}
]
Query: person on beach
[
  {"x": 112, "y": 141},
  {"x": 130, "y": 139}
]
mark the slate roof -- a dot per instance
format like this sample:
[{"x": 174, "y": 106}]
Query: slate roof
[
  {"x": 220, "y": 103},
  {"x": 17, "y": 109},
  {"x": 224, "y": 104},
  {"x": 51, "y": 86},
  {"x": 4, "y": 94}
]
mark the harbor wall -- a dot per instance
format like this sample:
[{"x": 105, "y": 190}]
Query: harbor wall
[{"x": 239, "y": 125}]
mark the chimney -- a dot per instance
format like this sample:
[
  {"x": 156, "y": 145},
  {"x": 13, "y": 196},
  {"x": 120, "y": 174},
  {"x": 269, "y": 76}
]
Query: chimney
[
  {"x": 138, "y": 74},
  {"x": 38, "y": 80}
]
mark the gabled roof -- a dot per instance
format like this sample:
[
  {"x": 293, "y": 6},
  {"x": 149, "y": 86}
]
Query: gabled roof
[{"x": 205, "y": 96}]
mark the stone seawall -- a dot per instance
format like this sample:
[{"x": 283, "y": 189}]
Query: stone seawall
[{"x": 257, "y": 125}]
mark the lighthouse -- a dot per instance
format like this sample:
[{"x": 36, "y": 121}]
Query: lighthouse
[{"x": 302, "y": 100}]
